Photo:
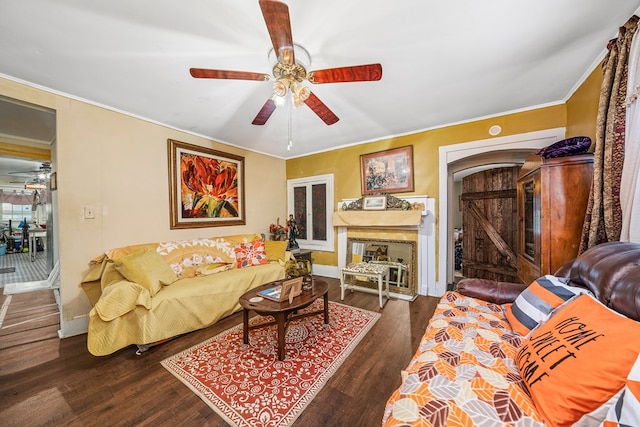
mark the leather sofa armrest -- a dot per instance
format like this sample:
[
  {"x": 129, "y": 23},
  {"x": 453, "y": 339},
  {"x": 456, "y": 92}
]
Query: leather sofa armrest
[{"x": 490, "y": 290}]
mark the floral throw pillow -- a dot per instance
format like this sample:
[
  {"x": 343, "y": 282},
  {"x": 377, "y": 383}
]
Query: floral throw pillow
[
  {"x": 249, "y": 254},
  {"x": 186, "y": 256}
]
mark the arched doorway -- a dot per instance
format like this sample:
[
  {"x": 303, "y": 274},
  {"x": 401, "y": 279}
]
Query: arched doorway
[{"x": 483, "y": 153}]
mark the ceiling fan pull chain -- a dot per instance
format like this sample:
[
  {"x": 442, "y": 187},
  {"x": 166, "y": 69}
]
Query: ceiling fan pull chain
[{"x": 290, "y": 143}]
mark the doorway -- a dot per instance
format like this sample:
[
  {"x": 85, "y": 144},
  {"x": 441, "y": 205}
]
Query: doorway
[
  {"x": 27, "y": 139},
  {"x": 466, "y": 156}
]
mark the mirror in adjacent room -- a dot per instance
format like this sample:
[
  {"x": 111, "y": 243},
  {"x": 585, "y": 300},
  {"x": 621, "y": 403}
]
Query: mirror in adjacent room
[{"x": 399, "y": 255}]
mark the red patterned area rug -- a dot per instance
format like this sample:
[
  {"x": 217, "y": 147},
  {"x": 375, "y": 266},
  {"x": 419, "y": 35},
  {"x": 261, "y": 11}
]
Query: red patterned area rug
[{"x": 247, "y": 385}]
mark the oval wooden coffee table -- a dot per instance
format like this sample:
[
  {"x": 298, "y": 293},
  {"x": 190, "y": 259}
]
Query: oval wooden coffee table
[{"x": 283, "y": 312}]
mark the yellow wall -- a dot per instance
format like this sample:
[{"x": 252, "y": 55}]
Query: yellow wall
[
  {"x": 118, "y": 164},
  {"x": 582, "y": 107},
  {"x": 345, "y": 163}
]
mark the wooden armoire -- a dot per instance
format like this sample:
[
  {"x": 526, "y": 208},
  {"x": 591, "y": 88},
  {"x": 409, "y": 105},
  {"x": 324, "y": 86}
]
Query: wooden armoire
[{"x": 552, "y": 197}]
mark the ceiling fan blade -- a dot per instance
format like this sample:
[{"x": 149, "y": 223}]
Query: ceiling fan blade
[
  {"x": 321, "y": 110},
  {"x": 23, "y": 172},
  {"x": 358, "y": 73},
  {"x": 203, "y": 73},
  {"x": 276, "y": 16},
  {"x": 265, "y": 112}
]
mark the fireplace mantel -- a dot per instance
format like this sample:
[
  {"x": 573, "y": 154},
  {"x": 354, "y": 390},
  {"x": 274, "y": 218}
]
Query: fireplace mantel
[
  {"x": 393, "y": 218},
  {"x": 421, "y": 220}
]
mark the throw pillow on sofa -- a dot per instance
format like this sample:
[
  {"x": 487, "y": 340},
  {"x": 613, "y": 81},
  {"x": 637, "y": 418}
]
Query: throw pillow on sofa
[
  {"x": 275, "y": 249},
  {"x": 575, "y": 365},
  {"x": 186, "y": 256},
  {"x": 536, "y": 303},
  {"x": 248, "y": 254},
  {"x": 147, "y": 268}
]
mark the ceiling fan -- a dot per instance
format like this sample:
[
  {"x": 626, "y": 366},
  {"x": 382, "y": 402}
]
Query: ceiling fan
[
  {"x": 44, "y": 169},
  {"x": 36, "y": 179},
  {"x": 290, "y": 71}
]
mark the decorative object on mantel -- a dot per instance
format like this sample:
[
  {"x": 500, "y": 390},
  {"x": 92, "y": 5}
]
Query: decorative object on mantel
[
  {"x": 278, "y": 231},
  {"x": 388, "y": 171},
  {"x": 390, "y": 203},
  {"x": 374, "y": 203}
]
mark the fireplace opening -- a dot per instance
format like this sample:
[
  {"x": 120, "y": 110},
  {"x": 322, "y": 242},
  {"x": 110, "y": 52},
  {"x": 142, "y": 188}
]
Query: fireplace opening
[{"x": 398, "y": 255}]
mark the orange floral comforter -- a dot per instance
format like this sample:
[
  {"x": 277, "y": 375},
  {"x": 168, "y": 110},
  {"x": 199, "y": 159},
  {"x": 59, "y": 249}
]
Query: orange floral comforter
[{"x": 463, "y": 373}]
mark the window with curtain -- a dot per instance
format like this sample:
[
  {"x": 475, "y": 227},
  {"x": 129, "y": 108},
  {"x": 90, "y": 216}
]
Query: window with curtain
[
  {"x": 310, "y": 201},
  {"x": 15, "y": 213}
]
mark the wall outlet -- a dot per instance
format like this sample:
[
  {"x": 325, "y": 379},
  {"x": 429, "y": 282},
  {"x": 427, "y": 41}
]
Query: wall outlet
[{"x": 89, "y": 212}]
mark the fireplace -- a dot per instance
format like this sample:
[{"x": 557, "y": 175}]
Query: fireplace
[
  {"x": 398, "y": 254},
  {"x": 415, "y": 228}
]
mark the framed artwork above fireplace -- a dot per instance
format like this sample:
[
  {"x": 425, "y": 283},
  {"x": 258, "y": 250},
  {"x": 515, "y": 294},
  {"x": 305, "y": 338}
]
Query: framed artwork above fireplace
[{"x": 388, "y": 171}]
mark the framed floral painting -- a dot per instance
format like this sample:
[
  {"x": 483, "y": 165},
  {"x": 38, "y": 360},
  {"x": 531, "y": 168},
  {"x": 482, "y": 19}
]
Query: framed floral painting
[
  {"x": 206, "y": 187},
  {"x": 388, "y": 171}
]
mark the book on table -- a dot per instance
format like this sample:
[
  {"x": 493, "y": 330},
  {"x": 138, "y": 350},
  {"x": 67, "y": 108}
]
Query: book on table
[
  {"x": 288, "y": 289},
  {"x": 272, "y": 293}
]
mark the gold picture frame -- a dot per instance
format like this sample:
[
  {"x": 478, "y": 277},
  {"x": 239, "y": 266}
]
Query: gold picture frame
[
  {"x": 206, "y": 187},
  {"x": 387, "y": 171}
]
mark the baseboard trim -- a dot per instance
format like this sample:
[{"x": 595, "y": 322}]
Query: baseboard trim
[
  {"x": 326, "y": 271},
  {"x": 77, "y": 326}
]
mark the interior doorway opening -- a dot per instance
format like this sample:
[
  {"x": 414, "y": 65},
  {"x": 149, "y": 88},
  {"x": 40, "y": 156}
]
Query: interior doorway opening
[
  {"x": 27, "y": 143},
  {"x": 470, "y": 157}
]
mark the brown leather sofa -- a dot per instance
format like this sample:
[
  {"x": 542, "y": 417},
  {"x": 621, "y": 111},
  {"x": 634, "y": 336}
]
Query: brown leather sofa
[{"x": 611, "y": 271}]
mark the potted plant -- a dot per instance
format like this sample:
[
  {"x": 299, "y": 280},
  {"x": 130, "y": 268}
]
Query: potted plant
[{"x": 278, "y": 231}]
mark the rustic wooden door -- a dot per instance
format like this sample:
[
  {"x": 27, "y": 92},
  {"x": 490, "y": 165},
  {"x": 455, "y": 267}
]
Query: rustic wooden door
[{"x": 489, "y": 207}]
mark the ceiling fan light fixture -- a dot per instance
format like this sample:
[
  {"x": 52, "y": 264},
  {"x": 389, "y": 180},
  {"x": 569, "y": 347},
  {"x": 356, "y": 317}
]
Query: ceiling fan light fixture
[
  {"x": 35, "y": 183},
  {"x": 280, "y": 101},
  {"x": 301, "y": 56},
  {"x": 280, "y": 87},
  {"x": 299, "y": 93}
]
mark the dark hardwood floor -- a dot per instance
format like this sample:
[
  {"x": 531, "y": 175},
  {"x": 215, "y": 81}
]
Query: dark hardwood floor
[{"x": 45, "y": 381}]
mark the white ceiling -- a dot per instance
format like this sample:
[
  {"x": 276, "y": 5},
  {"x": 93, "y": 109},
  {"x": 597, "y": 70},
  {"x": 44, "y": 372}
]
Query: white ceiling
[{"x": 443, "y": 62}]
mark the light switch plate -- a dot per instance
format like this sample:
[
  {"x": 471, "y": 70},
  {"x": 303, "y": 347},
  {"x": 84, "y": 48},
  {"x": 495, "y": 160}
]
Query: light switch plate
[{"x": 89, "y": 212}]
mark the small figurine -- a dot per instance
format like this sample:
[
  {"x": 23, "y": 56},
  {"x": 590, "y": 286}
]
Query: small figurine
[{"x": 293, "y": 231}]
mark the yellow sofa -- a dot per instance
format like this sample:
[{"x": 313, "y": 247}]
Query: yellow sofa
[{"x": 143, "y": 294}]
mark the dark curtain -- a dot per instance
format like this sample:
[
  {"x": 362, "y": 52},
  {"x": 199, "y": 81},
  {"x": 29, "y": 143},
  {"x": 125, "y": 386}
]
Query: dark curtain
[{"x": 603, "y": 218}]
